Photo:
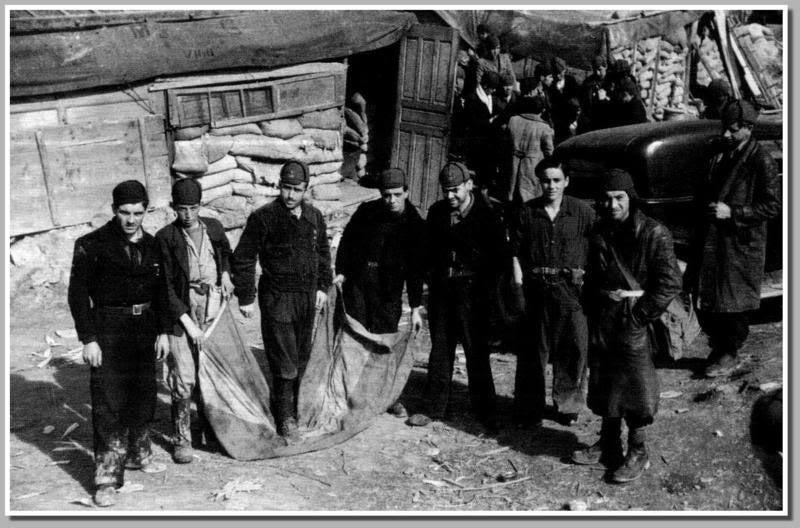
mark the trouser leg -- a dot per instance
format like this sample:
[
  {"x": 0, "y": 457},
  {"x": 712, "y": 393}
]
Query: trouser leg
[
  {"x": 475, "y": 339},
  {"x": 727, "y": 332},
  {"x": 110, "y": 436},
  {"x": 529, "y": 379},
  {"x": 442, "y": 356},
  {"x": 569, "y": 358}
]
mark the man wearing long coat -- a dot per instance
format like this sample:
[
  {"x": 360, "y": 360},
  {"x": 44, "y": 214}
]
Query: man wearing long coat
[
  {"x": 532, "y": 141},
  {"x": 632, "y": 276},
  {"x": 726, "y": 266}
]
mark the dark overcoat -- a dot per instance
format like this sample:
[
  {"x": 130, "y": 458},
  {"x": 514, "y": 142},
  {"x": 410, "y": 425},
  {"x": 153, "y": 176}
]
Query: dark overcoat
[{"x": 726, "y": 264}]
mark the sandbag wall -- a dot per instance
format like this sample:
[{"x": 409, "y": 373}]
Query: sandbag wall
[
  {"x": 239, "y": 166},
  {"x": 659, "y": 64}
]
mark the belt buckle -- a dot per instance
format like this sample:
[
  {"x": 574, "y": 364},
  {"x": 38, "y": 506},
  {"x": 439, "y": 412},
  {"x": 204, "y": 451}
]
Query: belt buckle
[{"x": 136, "y": 309}]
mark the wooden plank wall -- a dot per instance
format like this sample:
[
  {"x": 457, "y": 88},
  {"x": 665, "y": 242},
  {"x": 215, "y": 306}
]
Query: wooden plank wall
[{"x": 67, "y": 154}]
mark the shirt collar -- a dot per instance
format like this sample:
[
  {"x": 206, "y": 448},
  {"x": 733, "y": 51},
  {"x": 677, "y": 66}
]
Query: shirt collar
[{"x": 484, "y": 97}]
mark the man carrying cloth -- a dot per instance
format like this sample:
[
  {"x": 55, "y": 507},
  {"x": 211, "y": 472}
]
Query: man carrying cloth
[
  {"x": 290, "y": 241},
  {"x": 196, "y": 257},
  {"x": 382, "y": 249},
  {"x": 631, "y": 278},
  {"x": 467, "y": 254},
  {"x": 726, "y": 265},
  {"x": 550, "y": 245},
  {"x": 116, "y": 299}
]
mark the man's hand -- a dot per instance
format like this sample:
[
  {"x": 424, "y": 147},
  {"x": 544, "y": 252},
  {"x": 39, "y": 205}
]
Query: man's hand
[
  {"x": 321, "y": 298},
  {"x": 719, "y": 210},
  {"x": 227, "y": 284},
  {"x": 616, "y": 295},
  {"x": 247, "y": 310},
  {"x": 92, "y": 354},
  {"x": 416, "y": 321},
  {"x": 196, "y": 334},
  {"x": 161, "y": 346},
  {"x": 338, "y": 280},
  {"x": 601, "y": 95}
]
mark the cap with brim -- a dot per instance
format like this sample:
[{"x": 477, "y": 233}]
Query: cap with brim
[
  {"x": 129, "y": 192},
  {"x": 187, "y": 192},
  {"x": 294, "y": 173},
  {"x": 392, "y": 179},
  {"x": 453, "y": 174}
]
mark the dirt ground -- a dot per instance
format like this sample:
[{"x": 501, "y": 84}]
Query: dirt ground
[{"x": 701, "y": 454}]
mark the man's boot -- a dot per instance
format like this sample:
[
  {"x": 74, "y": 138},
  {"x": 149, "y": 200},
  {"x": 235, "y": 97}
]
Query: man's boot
[
  {"x": 607, "y": 450},
  {"x": 636, "y": 460},
  {"x": 181, "y": 424},
  {"x": 287, "y": 423}
]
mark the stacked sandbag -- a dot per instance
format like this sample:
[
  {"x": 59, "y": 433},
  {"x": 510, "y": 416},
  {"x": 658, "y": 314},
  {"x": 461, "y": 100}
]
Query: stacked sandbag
[
  {"x": 764, "y": 54},
  {"x": 356, "y": 135},
  {"x": 709, "y": 65},
  {"x": 658, "y": 66},
  {"x": 244, "y": 161}
]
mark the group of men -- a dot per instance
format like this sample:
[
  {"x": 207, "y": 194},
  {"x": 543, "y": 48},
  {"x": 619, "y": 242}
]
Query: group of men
[
  {"x": 591, "y": 284},
  {"x": 499, "y": 124}
]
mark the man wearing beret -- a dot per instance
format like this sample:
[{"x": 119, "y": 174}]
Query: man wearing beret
[
  {"x": 726, "y": 265},
  {"x": 289, "y": 238},
  {"x": 468, "y": 251},
  {"x": 381, "y": 250},
  {"x": 550, "y": 244},
  {"x": 116, "y": 299},
  {"x": 631, "y": 277},
  {"x": 196, "y": 256}
]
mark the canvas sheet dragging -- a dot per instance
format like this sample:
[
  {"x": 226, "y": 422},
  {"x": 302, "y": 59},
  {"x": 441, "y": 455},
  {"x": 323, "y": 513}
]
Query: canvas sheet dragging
[{"x": 351, "y": 377}]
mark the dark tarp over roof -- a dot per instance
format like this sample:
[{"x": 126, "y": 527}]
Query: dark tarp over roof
[
  {"x": 574, "y": 35},
  {"x": 55, "y": 57}
]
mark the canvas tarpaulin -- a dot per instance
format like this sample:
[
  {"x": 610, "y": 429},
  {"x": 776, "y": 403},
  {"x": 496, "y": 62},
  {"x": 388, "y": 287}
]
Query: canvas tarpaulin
[
  {"x": 574, "y": 35},
  {"x": 351, "y": 377},
  {"x": 65, "y": 59}
]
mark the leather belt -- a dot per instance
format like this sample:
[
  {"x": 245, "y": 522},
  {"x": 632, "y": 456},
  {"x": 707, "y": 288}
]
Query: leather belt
[
  {"x": 453, "y": 273},
  {"x": 134, "y": 309},
  {"x": 541, "y": 270}
]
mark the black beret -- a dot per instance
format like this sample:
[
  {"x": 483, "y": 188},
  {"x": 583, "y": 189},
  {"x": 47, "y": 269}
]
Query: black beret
[{"x": 130, "y": 192}]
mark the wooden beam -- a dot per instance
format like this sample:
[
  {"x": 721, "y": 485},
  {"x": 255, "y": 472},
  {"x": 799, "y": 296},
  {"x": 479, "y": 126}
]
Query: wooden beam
[
  {"x": 44, "y": 159},
  {"x": 143, "y": 146}
]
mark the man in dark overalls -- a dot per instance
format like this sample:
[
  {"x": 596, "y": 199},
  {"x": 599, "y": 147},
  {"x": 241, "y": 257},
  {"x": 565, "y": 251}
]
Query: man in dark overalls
[
  {"x": 196, "y": 257},
  {"x": 116, "y": 300},
  {"x": 468, "y": 251},
  {"x": 550, "y": 245},
  {"x": 382, "y": 249},
  {"x": 290, "y": 241}
]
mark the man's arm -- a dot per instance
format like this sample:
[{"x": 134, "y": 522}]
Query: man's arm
[
  {"x": 174, "y": 305},
  {"x": 663, "y": 278},
  {"x": 243, "y": 261},
  {"x": 766, "y": 202},
  {"x": 78, "y": 293}
]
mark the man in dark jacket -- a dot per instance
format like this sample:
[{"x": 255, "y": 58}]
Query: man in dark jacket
[
  {"x": 563, "y": 90},
  {"x": 628, "y": 108},
  {"x": 381, "y": 250},
  {"x": 196, "y": 256},
  {"x": 482, "y": 139},
  {"x": 467, "y": 253},
  {"x": 289, "y": 239},
  {"x": 742, "y": 192},
  {"x": 595, "y": 97},
  {"x": 550, "y": 244},
  {"x": 632, "y": 276},
  {"x": 116, "y": 299}
]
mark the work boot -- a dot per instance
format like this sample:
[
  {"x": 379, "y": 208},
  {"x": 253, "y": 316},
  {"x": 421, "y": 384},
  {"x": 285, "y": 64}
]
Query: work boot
[
  {"x": 104, "y": 496},
  {"x": 398, "y": 410},
  {"x": 724, "y": 366},
  {"x": 636, "y": 462},
  {"x": 606, "y": 451},
  {"x": 181, "y": 426}
]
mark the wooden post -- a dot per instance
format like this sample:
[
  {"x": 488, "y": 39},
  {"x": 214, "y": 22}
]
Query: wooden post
[
  {"x": 143, "y": 147},
  {"x": 43, "y": 158}
]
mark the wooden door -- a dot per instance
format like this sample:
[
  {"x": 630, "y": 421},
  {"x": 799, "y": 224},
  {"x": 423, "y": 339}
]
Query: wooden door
[{"x": 425, "y": 84}]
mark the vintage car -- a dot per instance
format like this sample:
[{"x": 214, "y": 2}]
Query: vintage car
[{"x": 667, "y": 160}]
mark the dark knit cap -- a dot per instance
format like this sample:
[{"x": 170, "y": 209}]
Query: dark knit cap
[
  {"x": 619, "y": 180},
  {"x": 130, "y": 192},
  {"x": 739, "y": 111},
  {"x": 186, "y": 192},
  {"x": 453, "y": 174},
  {"x": 599, "y": 61},
  {"x": 392, "y": 179},
  {"x": 294, "y": 173},
  {"x": 490, "y": 79}
]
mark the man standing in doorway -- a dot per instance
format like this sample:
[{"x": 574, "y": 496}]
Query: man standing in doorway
[
  {"x": 726, "y": 265},
  {"x": 550, "y": 246},
  {"x": 290, "y": 241},
  {"x": 631, "y": 278},
  {"x": 467, "y": 253},
  {"x": 116, "y": 300},
  {"x": 382, "y": 249},
  {"x": 196, "y": 257}
]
